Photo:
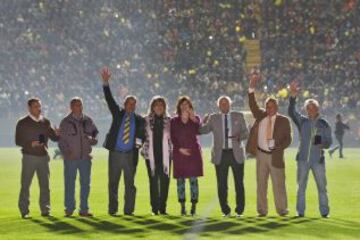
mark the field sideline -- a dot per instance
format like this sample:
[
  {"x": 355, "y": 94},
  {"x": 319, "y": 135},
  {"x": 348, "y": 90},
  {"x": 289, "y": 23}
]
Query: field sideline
[{"x": 343, "y": 186}]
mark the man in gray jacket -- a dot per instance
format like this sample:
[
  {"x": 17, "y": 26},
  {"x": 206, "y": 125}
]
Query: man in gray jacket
[
  {"x": 229, "y": 130},
  {"x": 77, "y": 134}
]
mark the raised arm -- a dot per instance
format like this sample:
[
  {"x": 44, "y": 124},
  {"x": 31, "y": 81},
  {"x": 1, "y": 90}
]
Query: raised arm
[
  {"x": 112, "y": 105},
  {"x": 256, "y": 111},
  {"x": 293, "y": 113}
]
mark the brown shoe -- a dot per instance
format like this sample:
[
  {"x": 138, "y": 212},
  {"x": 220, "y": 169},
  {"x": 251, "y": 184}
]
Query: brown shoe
[
  {"x": 68, "y": 214},
  {"x": 85, "y": 214}
]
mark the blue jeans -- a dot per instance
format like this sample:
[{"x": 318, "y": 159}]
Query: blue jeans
[
  {"x": 318, "y": 170},
  {"x": 70, "y": 171}
]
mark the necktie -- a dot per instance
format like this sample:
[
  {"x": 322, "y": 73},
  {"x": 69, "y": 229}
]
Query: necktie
[
  {"x": 126, "y": 134},
  {"x": 226, "y": 133},
  {"x": 268, "y": 129}
]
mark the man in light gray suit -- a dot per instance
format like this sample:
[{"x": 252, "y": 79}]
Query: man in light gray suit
[{"x": 229, "y": 130}]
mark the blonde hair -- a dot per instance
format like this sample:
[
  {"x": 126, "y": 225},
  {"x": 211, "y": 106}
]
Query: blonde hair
[{"x": 157, "y": 99}]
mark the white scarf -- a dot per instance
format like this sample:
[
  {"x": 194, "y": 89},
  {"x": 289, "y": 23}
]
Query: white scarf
[{"x": 165, "y": 147}]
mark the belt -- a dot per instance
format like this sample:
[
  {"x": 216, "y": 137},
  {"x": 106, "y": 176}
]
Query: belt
[
  {"x": 264, "y": 151},
  {"x": 227, "y": 149}
]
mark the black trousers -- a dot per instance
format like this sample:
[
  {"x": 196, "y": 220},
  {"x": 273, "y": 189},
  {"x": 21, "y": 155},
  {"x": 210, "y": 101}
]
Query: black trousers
[
  {"x": 222, "y": 170},
  {"x": 118, "y": 163},
  {"x": 159, "y": 188}
]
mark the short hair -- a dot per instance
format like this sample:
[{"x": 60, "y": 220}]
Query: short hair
[
  {"x": 75, "y": 100},
  {"x": 31, "y": 101},
  {"x": 180, "y": 101},
  {"x": 311, "y": 101},
  {"x": 223, "y": 97},
  {"x": 128, "y": 98},
  {"x": 271, "y": 99},
  {"x": 154, "y": 100}
]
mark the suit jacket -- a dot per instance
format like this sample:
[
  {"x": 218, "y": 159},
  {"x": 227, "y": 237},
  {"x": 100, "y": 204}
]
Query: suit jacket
[
  {"x": 117, "y": 117},
  {"x": 282, "y": 133},
  {"x": 239, "y": 131}
]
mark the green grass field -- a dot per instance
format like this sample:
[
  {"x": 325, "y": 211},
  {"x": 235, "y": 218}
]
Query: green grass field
[{"x": 343, "y": 186}]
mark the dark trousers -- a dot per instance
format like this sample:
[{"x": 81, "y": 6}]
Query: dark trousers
[
  {"x": 121, "y": 162},
  {"x": 340, "y": 146},
  {"x": 159, "y": 188},
  {"x": 222, "y": 170},
  {"x": 30, "y": 166}
]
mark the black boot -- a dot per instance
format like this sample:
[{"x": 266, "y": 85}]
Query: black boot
[
  {"x": 183, "y": 209},
  {"x": 193, "y": 209}
]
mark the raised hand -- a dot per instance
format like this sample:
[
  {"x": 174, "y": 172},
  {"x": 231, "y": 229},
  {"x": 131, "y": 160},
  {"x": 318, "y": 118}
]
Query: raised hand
[
  {"x": 294, "y": 88},
  {"x": 105, "y": 75},
  {"x": 192, "y": 115},
  {"x": 254, "y": 77}
]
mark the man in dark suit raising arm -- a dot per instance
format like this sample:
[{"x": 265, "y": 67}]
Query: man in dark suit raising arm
[{"x": 125, "y": 136}]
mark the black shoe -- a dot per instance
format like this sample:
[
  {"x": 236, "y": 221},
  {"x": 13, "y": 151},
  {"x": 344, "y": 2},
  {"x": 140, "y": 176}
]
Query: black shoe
[
  {"x": 68, "y": 214},
  {"x": 25, "y": 216},
  {"x": 193, "y": 209},
  {"x": 46, "y": 214},
  {"x": 113, "y": 214},
  {"x": 129, "y": 214},
  {"x": 325, "y": 216},
  {"x": 226, "y": 215},
  {"x": 238, "y": 215},
  {"x": 300, "y": 215},
  {"x": 154, "y": 213},
  {"x": 164, "y": 213},
  {"x": 261, "y": 215}
]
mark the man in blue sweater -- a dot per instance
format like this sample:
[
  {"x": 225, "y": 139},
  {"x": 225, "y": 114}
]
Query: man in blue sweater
[{"x": 315, "y": 136}]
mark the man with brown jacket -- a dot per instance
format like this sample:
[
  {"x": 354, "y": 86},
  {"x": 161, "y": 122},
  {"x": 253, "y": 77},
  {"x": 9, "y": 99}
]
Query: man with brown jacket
[
  {"x": 78, "y": 134},
  {"x": 269, "y": 137}
]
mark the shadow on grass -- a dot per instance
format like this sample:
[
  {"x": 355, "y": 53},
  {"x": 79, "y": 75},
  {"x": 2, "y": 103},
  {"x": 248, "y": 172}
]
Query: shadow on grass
[
  {"x": 56, "y": 225},
  {"x": 142, "y": 226}
]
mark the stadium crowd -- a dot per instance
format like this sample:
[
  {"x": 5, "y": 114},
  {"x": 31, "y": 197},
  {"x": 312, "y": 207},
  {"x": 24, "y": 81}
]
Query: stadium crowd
[{"x": 54, "y": 50}]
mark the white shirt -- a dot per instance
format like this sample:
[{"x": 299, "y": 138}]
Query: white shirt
[
  {"x": 230, "y": 129},
  {"x": 36, "y": 119},
  {"x": 262, "y": 138}
]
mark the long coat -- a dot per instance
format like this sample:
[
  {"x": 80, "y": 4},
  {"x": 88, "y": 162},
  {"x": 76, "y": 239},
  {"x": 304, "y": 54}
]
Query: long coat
[{"x": 185, "y": 136}]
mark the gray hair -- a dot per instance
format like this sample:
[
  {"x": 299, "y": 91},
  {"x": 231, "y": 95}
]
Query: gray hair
[
  {"x": 75, "y": 100},
  {"x": 311, "y": 101},
  {"x": 224, "y": 97},
  {"x": 130, "y": 97}
]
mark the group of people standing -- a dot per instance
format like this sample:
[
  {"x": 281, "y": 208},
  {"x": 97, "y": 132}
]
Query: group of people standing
[{"x": 170, "y": 145}]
